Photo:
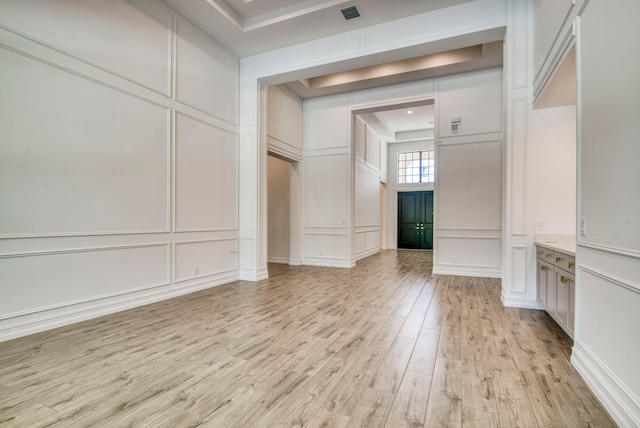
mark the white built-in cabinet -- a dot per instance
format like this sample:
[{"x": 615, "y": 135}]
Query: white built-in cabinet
[{"x": 556, "y": 284}]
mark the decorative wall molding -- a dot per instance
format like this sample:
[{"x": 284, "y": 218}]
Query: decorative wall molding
[
  {"x": 166, "y": 245},
  {"x": 463, "y": 270},
  {"x": 551, "y": 64},
  {"x": 550, "y": 61},
  {"x": 283, "y": 149},
  {"x": 518, "y": 150},
  {"x": 609, "y": 249},
  {"x": 610, "y": 278},
  {"x": 51, "y": 318},
  {"x": 519, "y": 268}
]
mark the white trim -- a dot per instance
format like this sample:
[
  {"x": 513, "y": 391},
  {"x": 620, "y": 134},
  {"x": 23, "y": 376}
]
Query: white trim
[
  {"x": 609, "y": 249},
  {"x": 621, "y": 282},
  {"x": 467, "y": 270},
  {"x": 614, "y": 395}
]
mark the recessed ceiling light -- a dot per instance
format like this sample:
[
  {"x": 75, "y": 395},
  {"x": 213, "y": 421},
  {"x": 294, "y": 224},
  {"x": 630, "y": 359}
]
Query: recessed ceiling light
[{"x": 410, "y": 112}]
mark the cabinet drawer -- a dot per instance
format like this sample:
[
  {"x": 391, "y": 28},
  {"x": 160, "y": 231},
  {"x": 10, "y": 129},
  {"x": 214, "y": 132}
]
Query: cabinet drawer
[
  {"x": 565, "y": 262},
  {"x": 547, "y": 255}
]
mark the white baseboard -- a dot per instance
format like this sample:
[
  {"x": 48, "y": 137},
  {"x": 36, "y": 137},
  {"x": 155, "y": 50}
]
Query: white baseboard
[
  {"x": 278, "y": 260},
  {"x": 520, "y": 302},
  {"x": 367, "y": 253},
  {"x": 295, "y": 262},
  {"x": 49, "y": 319},
  {"x": 317, "y": 261},
  {"x": 254, "y": 276},
  {"x": 623, "y": 407},
  {"x": 467, "y": 271}
]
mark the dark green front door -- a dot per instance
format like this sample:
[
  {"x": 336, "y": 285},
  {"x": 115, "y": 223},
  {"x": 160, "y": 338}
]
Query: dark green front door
[{"x": 415, "y": 220}]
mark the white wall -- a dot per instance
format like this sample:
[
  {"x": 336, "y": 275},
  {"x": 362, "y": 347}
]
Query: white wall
[
  {"x": 551, "y": 164},
  {"x": 118, "y": 159},
  {"x": 279, "y": 208},
  {"x": 607, "y": 342},
  {"x": 468, "y": 188}
]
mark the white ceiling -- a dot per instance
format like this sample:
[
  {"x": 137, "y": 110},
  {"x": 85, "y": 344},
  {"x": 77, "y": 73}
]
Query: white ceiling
[{"x": 248, "y": 27}]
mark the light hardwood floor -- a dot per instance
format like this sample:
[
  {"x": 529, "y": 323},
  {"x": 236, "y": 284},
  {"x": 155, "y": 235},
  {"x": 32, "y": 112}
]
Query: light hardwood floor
[{"x": 383, "y": 344}]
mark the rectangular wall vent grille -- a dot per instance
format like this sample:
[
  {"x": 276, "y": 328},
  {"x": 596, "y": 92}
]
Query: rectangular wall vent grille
[{"x": 350, "y": 12}]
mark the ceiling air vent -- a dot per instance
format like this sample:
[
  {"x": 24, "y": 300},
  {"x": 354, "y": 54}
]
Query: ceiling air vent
[{"x": 350, "y": 12}]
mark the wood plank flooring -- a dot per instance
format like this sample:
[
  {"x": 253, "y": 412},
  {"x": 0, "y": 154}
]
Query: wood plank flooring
[{"x": 385, "y": 344}]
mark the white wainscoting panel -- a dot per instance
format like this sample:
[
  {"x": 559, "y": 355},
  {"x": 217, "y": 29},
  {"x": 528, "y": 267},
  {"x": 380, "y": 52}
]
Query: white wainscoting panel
[
  {"x": 206, "y": 176},
  {"x": 39, "y": 281},
  {"x": 519, "y": 268},
  {"x": 518, "y": 149},
  {"x": 207, "y": 76},
  {"x": 195, "y": 259},
  {"x": 372, "y": 149},
  {"x": 327, "y": 123},
  {"x": 78, "y": 157},
  {"x": 326, "y": 250},
  {"x": 130, "y": 39},
  {"x": 468, "y": 255},
  {"x": 367, "y": 196},
  {"x": 469, "y": 180},
  {"x": 326, "y": 181},
  {"x": 359, "y": 136}
]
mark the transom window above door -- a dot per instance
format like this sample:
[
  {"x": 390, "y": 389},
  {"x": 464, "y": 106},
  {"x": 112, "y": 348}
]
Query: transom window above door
[{"x": 416, "y": 167}]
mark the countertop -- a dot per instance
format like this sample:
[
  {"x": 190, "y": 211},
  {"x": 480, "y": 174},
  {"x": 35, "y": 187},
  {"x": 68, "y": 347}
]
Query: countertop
[{"x": 563, "y": 243}]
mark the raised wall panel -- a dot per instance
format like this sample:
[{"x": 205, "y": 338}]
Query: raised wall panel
[
  {"x": 131, "y": 39},
  {"x": 359, "y": 137},
  {"x": 206, "y": 176},
  {"x": 372, "y": 239},
  {"x": 469, "y": 186},
  {"x": 78, "y": 157},
  {"x": 330, "y": 246},
  {"x": 519, "y": 268},
  {"x": 372, "y": 149},
  {"x": 518, "y": 150},
  {"x": 367, "y": 196},
  {"x": 327, "y": 123},
  {"x": 203, "y": 258},
  {"x": 360, "y": 241},
  {"x": 326, "y": 190},
  {"x": 48, "y": 280},
  {"x": 207, "y": 76},
  {"x": 475, "y": 98},
  {"x": 469, "y": 252}
]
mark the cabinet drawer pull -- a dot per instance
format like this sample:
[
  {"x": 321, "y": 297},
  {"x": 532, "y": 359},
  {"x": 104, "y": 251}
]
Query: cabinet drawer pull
[
  {"x": 540, "y": 252},
  {"x": 564, "y": 279},
  {"x": 571, "y": 264},
  {"x": 558, "y": 259},
  {"x": 543, "y": 268},
  {"x": 548, "y": 254}
]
